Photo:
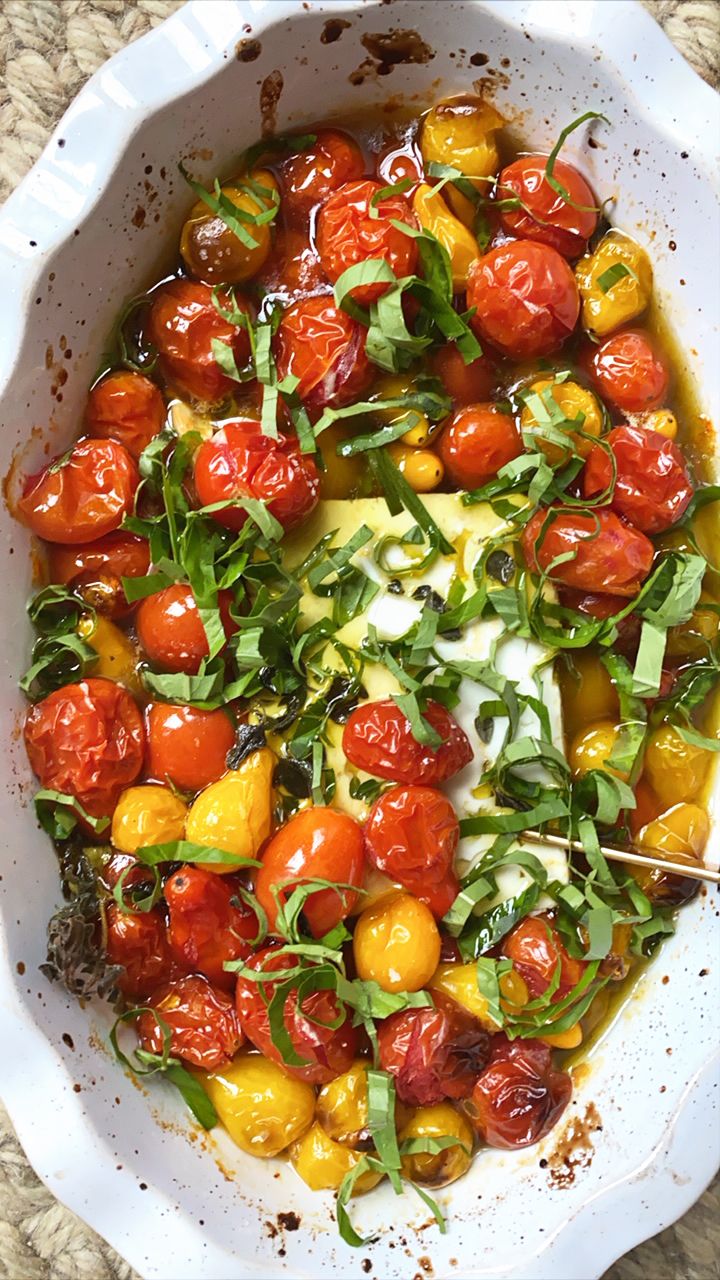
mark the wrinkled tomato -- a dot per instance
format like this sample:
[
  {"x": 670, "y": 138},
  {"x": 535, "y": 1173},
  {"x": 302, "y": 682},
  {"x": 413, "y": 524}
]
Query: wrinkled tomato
[
  {"x": 137, "y": 941},
  {"x": 476, "y": 442},
  {"x": 96, "y": 569},
  {"x": 127, "y": 407},
  {"x": 310, "y": 176},
  {"x": 520, "y": 1096},
  {"x": 411, "y": 835},
  {"x": 609, "y": 555},
  {"x": 319, "y": 843},
  {"x": 240, "y": 462},
  {"x": 433, "y": 1053},
  {"x": 170, "y": 628},
  {"x": 535, "y": 948},
  {"x": 628, "y": 371},
  {"x": 348, "y": 234},
  {"x": 525, "y": 297},
  {"x": 325, "y": 348},
  {"x": 186, "y": 745},
  {"x": 545, "y": 216},
  {"x": 208, "y": 923},
  {"x": 202, "y": 1021},
  {"x": 293, "y": 269},
  {"x": 465, "y": 383},
  {"x": 184, "y": 322},
  {"x": 652, "y": 486},
  {"x": 378, "y": 738},
  {"x": 82, "y": 496}
]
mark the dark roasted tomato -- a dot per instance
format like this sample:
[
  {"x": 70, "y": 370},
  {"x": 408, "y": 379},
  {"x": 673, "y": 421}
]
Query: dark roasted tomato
[
  {"x": 96, "y": 569},
  {"x": 184, "y": 322},
  {"x": 138, "y": 942},
  {"x": 203, "y": 1023},
  {"x": 377, "y": 738},
  {"x": 127, "y": 407},
  {"x": 186, "y": 745},
  {"x": 652, "y": 486},
  {"x": 327, "y": 1050},
  {"x": 210, "y": 249},
  {"x": 208, "y": 923},
  {"x": 525, "y": 297},
  {"x": 325, "y": 348},
  {"x": 433, "y": 1053},
  {"x": 610, "y": 556},
  {"x": 240, "y": 462},
  {"x": 476, "y": 442},
  {"x": 81, "y": 496},
  {"x": 545, "y": 215},
  {"x": 347, "y": 235},
  {"x": 86, "y": 740},
  {"x": 293, "y": 269},
  {"x": 520, "y": 1096},
  {"x": 395, "y": 165},
  {"x": 310, "y": 176},
  {"x": 628, "y": 371},
  {"x": 535, "y": 948},
  {"x": 170, "y": 628},
  {"x": 321, "y": 844},
  {"x": 411, "y": 835},
  {"x": 465, "y": 383}
]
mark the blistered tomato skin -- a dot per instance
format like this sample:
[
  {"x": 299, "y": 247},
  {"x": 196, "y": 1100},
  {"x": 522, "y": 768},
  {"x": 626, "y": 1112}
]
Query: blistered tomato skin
[
  {"x": 95, "y": 569},
  {"x": 83, "y": 497},
  {"x": 208, "y": 923},
  {"x": 628, "y": 372},
  {"x": 137, "y": 941},
  {"x": 604, "y": 310},
  {"x": 187, "y": 746},
  {"x": 203, "y": 1024},
  {"x": 127, "y": 407},
  {"x": 433, "y": 1053},
  {"x": 525, "y": 297},
  {"x": 610, "y": 555},
  {"x": 476, "y": 442},
  {"x": 170, "y": 628},
  {"x": 240, "y": 462},
  {"x": 534, "y": 946},
  {"x": 147, "y": 815},
  {"x": 319, "y": 843},
  {"x": 547, "y": 217},
  {"x": 520, "y": 1096},
  {"x": 182, "y": 326},
  {"x": 465, "y": 383},
  {"x": 652, "y": 486},
  {"x": 311, "y": 175},
  {"x": 325, "y": 348},
  {"x": 434, "y": 215},
  {"x": 411, "y": 835},
  {"x": 377, "y": 738},
  {"x": 347, "y": 235}
]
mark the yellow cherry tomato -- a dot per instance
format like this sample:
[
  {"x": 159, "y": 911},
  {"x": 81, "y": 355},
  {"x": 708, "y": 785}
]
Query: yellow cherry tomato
[
  {"x": 674, "y": 768},
  {"x": 569, "y": 1039},
  {"x": 420, "y": 429},
  {"x": 592, "y": 747},
  {"x": 572, "y": 400},
  {"x": 459, "y": 981},
  {"x": 323, "y": 1164},
  {"x": 625, "y": 298},
  {"x": 262, "y": 1108},
  {"x": 587, "y": 691},
  {"x": 342, "y": 1107},
  {"x": 683, "y": 829},
  {"x": 439, "y": 1121},
  {"x": 397, "y": 944},
  {"x": 663, "y": 421},
  {"x": 422, "y": 468},
  {"x": 147, "y": 815},
  {"x": 693, "y": 638},
  {"x": 432, "y": 213},
  {"x": 235, "y": 813},
  {"x": 462, "y": 132},
  {"x": 213, "y": 252},
  {"x": 342, "y": 477},
  {"x": 117, "y": 659}
]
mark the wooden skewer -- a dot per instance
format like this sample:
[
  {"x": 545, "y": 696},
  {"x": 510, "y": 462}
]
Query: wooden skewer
[{"x": 653, "y": 859}]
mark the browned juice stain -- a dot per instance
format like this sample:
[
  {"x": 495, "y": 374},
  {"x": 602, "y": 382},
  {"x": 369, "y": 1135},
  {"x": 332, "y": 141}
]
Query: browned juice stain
[
  {"x": 574, "y": 1148},
  {"x": 388, "y": 49},
  {"x": 270, "y": 91},
  {"x": 248, "y": 50},
  {"x": 333, "y": 30}
]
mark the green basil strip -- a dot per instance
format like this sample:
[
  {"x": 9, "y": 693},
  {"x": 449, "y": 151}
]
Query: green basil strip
[
  {"x": 223, "y": 208},
  {"x": 612, "y": 274},
  {"x": 498, "y": 823},
  {"x": 58, "y": 814},
  {"x": 188, "y": 851},
  {"x": 550, "y": 164},
  {"x": 399, "y": 495}
]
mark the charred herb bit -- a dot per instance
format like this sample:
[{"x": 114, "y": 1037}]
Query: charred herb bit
[
  {"x": 500, "y": 566},
  {"x": 342, "y": 698},
  {"x": 294, "y": 776},
  {"x": 248, "y": 739},
  {"x": 75, "y": 950}
]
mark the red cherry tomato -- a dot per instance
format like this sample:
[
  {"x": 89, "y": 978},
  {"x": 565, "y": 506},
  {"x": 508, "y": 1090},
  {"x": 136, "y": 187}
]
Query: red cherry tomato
[
  {"x": 96, "y": 569},
  {"x": 183, "y": 324},
  {"x": 610, "y": 556},
  {"x": 348, "y": 235},
  {"x": 628, "y": 371},
  {"x": 82, "y": 497},
  {"x": 476, "y": 442},
  {"x": 433, "y": 1053},
  {"x": 86, "y": 740},
  {"x": 652, "y": 486},
  {"x": 170, "y": 628},
  {"x": 127, "y": 407},
  {"x": 377, "y": 738},
  {"x": 535, "y": 949},
  {"x": 395, "y": 165},
  {"x": 465, "y": 383},
  {"x": 321, "y": 844},
  {"x": 598, "y": 605},
  {"x": 205, "y": 926},
  {"x": 547, "y": 217},
  {"x": 525, "y": 297},
  {"x": 325, "y": 348},
  {"x": 240, "y": 462},
  {"x": 309, "y": 177},
  {"x": 411, "y": 835},
  {"x": 137, "y": 941},
  {"x": 438, "y": 897},
  {"x": 293, "y": 268},
  {"x": 520, "y": 1096},
  {"x": 186, "y": 745},
  {"x": 328, "y": 1051},
  {"x": 203, "y": 1023}
]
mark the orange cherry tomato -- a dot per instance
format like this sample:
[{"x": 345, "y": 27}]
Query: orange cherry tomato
[
  {"x": 520, "y": 1096},
  {"x": 82, "y": 496},
  {"x": 186, "y": 745},
  {"x": 208, "y": 923},
  {"x": 138, "y": 942},
  {"x": 628, "y": 371},
  {"x": 395, "y": 165},
  {"x": 203, "y": 1023},
  {"x": 610, "y": 556},
  {"x": 325, "y": 348},
  {"x": 535, "y": 948},
  {"x": 127, "y": 407},
  {"x": 86, "y": 740},
  {"x": 476, "y": 442},
  {"x": 96, "y": 569},
  {"x": 525, "y": 298},
  {"x": 433, "y": 1053},
  {"x": 240, "y": 462},
  {"x": 465, "y": 383},
  {"x": 652, "y": 486},
  {"x": 348, "y": 235},
  {"x": 170, "y": 628},
  {"x": 318, "y": 843},
  {"x": 547, "y": 217},
  {"x": 183, "y": 324},
  {"x": 312, "y": 175},
  {"x": 377, "y": 738},
  {"x": 411, "y": 835}
]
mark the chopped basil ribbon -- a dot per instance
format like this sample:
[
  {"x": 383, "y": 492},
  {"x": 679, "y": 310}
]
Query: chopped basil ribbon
[
  {"x": 187, "y": 851},
  {"x": 399, "y": 495},
  {"x": 230, "y": 213},
  {"x": 58, "y": 814},
  {"x": 550, "y": 165},
  {"x": 612, "y": 274},
  {"x": 144, "y": 1063}
]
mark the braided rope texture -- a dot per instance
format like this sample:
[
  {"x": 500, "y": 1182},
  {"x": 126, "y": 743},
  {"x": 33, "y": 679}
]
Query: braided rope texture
[{"x": 48, "y": 49}]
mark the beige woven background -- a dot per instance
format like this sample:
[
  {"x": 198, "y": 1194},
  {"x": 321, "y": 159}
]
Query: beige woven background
[{"x": 48, "y": 48}]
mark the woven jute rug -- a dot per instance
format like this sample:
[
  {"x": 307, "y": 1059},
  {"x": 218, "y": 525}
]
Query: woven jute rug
[{"x": 48, "y": 48}]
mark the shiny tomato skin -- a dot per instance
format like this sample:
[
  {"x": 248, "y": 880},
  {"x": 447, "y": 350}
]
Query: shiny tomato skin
[
  {"x": 312, "y": 175},
  {"x": 433, "y": 1053},
  {"x": 616, "y": 560},
  {"x": 170, "y": 628},
  {"x": 348, "y": 235},
  {"x": 652, "y": 486},
  {"x": 202, "y": 1020},
  {"x": 551, "y": 220},
  {"x": 96, "y": 569},
  {"x": 187, "y": 746},
  {"x": 205, "y": 926},
  {"x": 182, "y": 325},
  {"x": 319, "y": 843},
  {"x": 293, "y": 269},
  {"x": 535, "y": 947},
  {"x": 325, "y": 348},
  {"x": 329, "y": 1051},
  {"x": 628, "y": 372},
  {"x": 240, "y": 462},
  {"x": 438, "y": 897},
  {"x": 411, "y": 835},
  {"x": 137, "y": 941},
  {"x": 127, "y": 407},
  {"x": 86, "y": 740},
  {"x": 520, "y": 1096},
  {"x": 395, "y": 165},
  {"x": 378, "y": 739},
  {"x": 465, "y": 383},
  {"x": 85, "y": 498},
  {"x": 476, "y": 442},
  {"x": 525, "y": 297}
]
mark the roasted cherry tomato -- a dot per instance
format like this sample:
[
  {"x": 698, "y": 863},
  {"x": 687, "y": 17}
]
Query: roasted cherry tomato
[
  {"x": 137, "y": 941},
  {"x": 545, "y": 215},
  {"x": 396, "y": 164},
  {"x": 209, "y": 247},
  {"x": 476, "y": 442},
  {"x": 465, "y": 383},
  {"x": 525, "y": 297},
  {"x": 208, "y": 923},
  {"x": 203, "y": 1023},
  {"x": 86, "y": 740},
  {"x": 411, "y": 835},
  {"x": 127, "y": 407},
  {"x": 599, "y": 605},
  {"x": 318, "y": 843},
  {"x": 520, "y": 1096},
  {"x": 327, "y": 1050},
  {"x": 377, "y": 738},
  {"x": 82, "y": 496},
  {"x": 96, "y": 569},
  {"x": 438, "y": 897},
  {"x": 310, "y": 176},
  {"x": 396, "y": 943},
  {"x": 433, "y": 1053},
  {"x": 610, "y": 556},
  {"x": 240, "y": 462},
  {"x": 293, "y": 269},
  {"x": 535, "y": 948},
  {"x": 628, "y": 371},
  {"x": 183, "y": 324},
  {"x": 186, "y": 745},
  {"x": 347, "y": 235},
  {"x": 170, "y": 628},
  {"x": 652, "y": 485},
  {"x": 325, "y": 348}
]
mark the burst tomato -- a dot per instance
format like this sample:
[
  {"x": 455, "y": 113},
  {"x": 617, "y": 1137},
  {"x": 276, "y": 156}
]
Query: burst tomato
[
  {"x": 652, "y": 486},
  {"x": 203, "y": 1023},
  {"x": 411, "y": 835},
  {"x": 433, "y": 1053},
  {"x": 205, "y": 926},
  {"x": 127, "y": 407},
  {"x": 293, "y": 269},
  {"x": 322, "y": 844},
  {"x": 240, "y": 462},
  {"x": 610, "y": 556},
  {"x": 628, "y": 371},
  {"x": 170, "y": 628},
  {"x": 312, "y": 175},
  {"x": 347, "y": 235},
  {"x": 465, "y": 383},
  {"x": 83, "y": 496},
  {"x": 525, "y": 297},
  {"x": 536, "y": 949},
  {"x": 325, "y": 348},
  {"x": 377, "y": 738},
  {"x": 476, "y": 442},
  {"x": 186, "y": 745},
  {"x": 184, "y": 322},
  {"x": 96, "y": 569},
  {"x": 546, "y": 216},
  {"x": 138, "y": 942},
  {"x": 520, "y": 1096}
]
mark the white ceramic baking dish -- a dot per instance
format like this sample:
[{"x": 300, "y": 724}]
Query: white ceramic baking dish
[{"x": 85, "y": 231}]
